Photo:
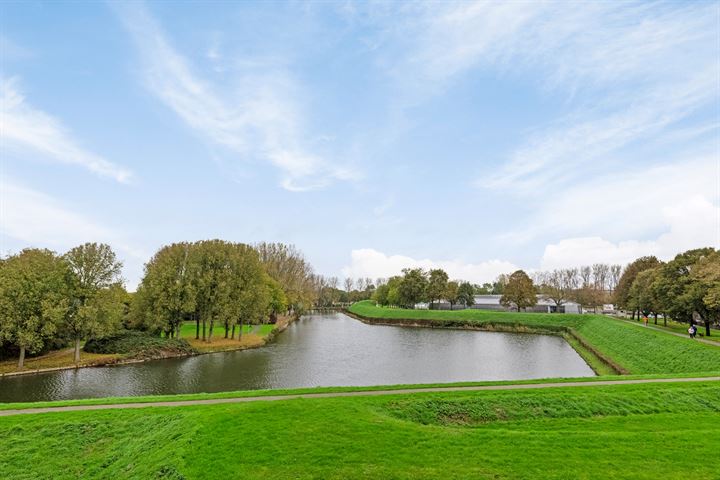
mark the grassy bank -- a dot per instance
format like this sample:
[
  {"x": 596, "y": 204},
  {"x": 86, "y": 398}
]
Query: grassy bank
[
  {"x": 635, "y": 350},
  {"x": 134, "y": 345},
  {"x": 626, "y": 431},
  {"x": 58, "y": 359},
  {"x": 314, "y": 390}
]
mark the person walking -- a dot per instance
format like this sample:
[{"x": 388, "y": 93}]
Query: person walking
[{"x": 645, "y": 320}]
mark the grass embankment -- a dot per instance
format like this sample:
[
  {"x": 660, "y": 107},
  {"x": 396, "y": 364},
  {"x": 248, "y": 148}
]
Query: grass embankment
[
  {"x": 627, "y": 347},
  {"x": 625, "y": 431},
  {"x": 322, "y": 390},
  {"x": 679, "y": 328},
  {"x": 57, "y": 359},
  {"x": 134, "y": 345}
]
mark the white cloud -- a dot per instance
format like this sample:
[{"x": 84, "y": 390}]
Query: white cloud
[
  {"x": 29, "y": 218},
  {"x": 693, "y": 223},
  {"x": 367, "y": 262},
  {"x": 25, "y": 127},
  {"x": 634, "y": 203},
  {"x": 260, "y": 119}
]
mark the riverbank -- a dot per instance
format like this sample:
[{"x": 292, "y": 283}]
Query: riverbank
[
  {"x": 63, "y": 359},
  {"x": 614, "y": 343},
  {"x": 555, "y": 432}
]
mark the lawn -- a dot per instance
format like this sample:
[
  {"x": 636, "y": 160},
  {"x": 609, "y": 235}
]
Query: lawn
[
  {"x": 58, "y": 358},
  {"x": 636, "y": 350},
  {"x": 187, "y": 330},
  {"x": 681, "y": 328},
  {"x": 625, "y": 431},
  {"x": 252, "y": 336}
]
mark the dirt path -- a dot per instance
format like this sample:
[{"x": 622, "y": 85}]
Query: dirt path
[
  {"x": 271, "y": 398},
  {"x": 681, "y": 335}
]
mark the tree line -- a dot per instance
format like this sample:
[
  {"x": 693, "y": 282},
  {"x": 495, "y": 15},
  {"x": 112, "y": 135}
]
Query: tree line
[
  {"x": 685, "y": 289},
  {"x": 416, "y": 285},
  {"x": 49, "y": 300}
]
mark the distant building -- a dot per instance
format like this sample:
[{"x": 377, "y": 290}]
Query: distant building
[{"x": 492, "y": 302}]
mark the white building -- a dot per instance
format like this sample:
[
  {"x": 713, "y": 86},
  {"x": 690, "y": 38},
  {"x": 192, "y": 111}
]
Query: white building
[{"x": 544, "y": 305}]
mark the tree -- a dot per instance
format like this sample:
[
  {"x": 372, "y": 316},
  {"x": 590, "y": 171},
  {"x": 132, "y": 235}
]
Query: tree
[
  {"x": 615, "y": 272},
  {"x": 678, "y": 290},
  {"x": 484, "y": 289},
  {"x": 380, "y": 296},
  {"x": 499, "y": 284},
  {"x": 167, "y": 293},
  {"x": 251, "y": 294},
  {"x": 34, "y": 293},
  {"x": 95, "y": 269},
  {"x": 643, "y": 294},
  {"x": 519, "y": 291},
  {"x": 436, "y": 285},
  {"x": 466, "y": 294},
  {"x": 558, "y": 285},
  {"x": 452, "y": 293},
  {"x": 706, "y": 275},
  {"x": 278, "y": 301},
  {"x": 622, "y": 292},
  {"x": 411, "y": 288},
  {"x": 286, "y": 265}
]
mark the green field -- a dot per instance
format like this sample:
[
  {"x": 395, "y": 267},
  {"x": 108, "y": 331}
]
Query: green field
[
  {"x": 187, "y": 330},
  {"x": 637, "y": 350},
  {"x": 668, "y": 431}
]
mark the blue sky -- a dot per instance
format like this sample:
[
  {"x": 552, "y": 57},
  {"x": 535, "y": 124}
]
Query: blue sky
[{"x": 478, "y": 137}]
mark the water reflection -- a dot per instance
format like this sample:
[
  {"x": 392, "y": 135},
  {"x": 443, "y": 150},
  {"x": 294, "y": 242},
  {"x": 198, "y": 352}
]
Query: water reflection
[{"x": 321, "y": 350}]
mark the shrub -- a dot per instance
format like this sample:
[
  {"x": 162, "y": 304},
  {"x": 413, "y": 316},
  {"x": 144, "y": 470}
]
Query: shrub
[{"x": 139, "y": 344}]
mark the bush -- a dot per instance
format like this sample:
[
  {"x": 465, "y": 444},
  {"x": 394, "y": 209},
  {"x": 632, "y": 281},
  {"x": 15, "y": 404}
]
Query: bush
[{"x": 140, "y": 344}]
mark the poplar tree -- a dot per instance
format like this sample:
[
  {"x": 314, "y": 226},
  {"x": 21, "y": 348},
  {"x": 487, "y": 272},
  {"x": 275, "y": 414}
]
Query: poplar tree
[
  {"x": 436, "y": 285},
  {"x": 167, "y": 291}
]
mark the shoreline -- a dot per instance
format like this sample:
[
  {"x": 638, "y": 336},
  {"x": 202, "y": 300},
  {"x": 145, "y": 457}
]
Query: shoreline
[
  {"x": 564, "y": 332},
  {"x": 281, "y": 326}
]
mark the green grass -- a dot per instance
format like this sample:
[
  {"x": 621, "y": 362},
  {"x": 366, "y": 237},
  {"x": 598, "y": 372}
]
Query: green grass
[
  {"x": 187, "y": 330},
  {"x": 677, "y": 327},
  {"x": 636, "y": 350},
  {"x": 651, "y": 431},
  {"x": 295, "y": 391}
]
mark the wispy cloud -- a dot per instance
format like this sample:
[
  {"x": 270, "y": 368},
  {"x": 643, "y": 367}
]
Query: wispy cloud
[
  {"x": 634, "y": 203},
  {"x": 23, "y": 126},
  {"x": 588, "y": 135},
  {"x": 628, "y": 71},
  {"x": 596, "y": 45},
  {"x": 259, "y": 120}
]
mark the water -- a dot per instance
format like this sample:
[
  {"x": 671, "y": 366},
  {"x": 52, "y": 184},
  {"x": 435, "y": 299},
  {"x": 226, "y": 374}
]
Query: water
[{"x": 321, "y": 350}]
